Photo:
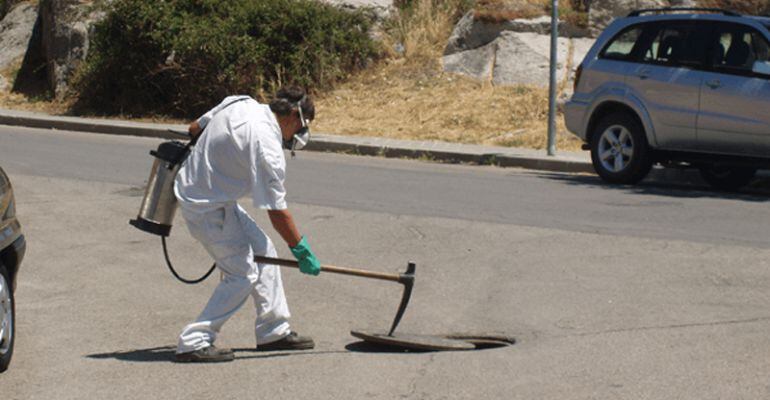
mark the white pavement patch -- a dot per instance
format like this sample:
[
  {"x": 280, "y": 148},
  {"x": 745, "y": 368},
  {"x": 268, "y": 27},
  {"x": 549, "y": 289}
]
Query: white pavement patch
[{"x": 597, "y": 316}]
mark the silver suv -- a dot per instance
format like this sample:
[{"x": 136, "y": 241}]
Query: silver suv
[{"x": 677, "y": 87}]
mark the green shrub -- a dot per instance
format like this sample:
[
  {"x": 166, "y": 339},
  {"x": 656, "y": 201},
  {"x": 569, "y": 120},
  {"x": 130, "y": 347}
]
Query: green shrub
[{"x": 179, "y": 57}]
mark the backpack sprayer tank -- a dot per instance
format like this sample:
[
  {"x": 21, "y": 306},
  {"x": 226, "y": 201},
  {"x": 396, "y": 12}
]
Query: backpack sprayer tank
[{"x": 159, "y": 205}]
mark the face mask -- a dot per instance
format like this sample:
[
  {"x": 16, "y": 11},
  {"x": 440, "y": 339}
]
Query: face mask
[{"x": 300, "y": 138}]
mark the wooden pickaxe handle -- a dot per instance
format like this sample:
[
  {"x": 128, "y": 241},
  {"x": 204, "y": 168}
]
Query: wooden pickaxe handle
[{"x": 332, "y": 268}]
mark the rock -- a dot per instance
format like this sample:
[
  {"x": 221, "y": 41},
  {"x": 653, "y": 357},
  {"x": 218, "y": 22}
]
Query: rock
[
  {"x": 541, "y": 25},
  {"x": 66, "y": 26},
  {"x": 524, "y": 58},
  {"x": 515, "y": 58},
  {"x": 15, "y": 33},
  {"x": 471, "y": 33},
  {"x": 380, "y": 8},
  {"x": 683, "y": 3},
  {"x": 602, "y": 12},
  {"x": 477, "y": 63},
  {"x": 520, "y": 59}
]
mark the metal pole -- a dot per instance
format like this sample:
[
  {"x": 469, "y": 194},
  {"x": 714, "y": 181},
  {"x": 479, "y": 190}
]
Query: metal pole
[{"x": 553, "y": 84}]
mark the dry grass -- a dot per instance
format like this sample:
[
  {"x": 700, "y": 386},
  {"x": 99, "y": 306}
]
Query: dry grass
[
  {"x": 419, "y": 34},
  {"x": 501, "y": 10},
  {"x": 16, "y": 101},
  {"x": 397, "y": 101},
  {"x": 409, "y": 97}
]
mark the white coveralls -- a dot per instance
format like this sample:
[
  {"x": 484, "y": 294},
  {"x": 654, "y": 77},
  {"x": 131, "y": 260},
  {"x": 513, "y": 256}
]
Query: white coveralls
[{"x": 240, "y": 153}]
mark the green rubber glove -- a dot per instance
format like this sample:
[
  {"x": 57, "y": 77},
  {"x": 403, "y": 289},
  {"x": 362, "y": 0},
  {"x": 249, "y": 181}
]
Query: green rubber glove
[{"x": 308, "y": 263}]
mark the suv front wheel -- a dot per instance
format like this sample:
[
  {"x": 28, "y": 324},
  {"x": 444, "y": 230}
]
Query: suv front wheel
[{"x": 619, "y": 149}]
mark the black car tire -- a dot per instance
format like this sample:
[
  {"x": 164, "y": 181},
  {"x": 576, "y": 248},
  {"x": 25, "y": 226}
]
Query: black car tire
[
  {"x": 619, "y": 150},
  {"x": 5, "y": 357},
  {"x": 727, "y": 178}
]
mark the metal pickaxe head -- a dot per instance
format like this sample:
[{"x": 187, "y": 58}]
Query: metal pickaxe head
[{"x": 407, "y": 279}]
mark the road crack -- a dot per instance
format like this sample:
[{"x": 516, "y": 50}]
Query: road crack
[{"x": 672, "y": 326}]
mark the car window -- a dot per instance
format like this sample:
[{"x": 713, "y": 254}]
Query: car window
[
  {"x": 737, "y": 47},
  {"x": 622, "y": 45},
  {"x": 677, "y": 44}
]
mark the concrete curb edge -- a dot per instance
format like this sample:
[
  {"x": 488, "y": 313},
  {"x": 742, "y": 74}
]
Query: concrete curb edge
[{"x": 321, "y": 143}]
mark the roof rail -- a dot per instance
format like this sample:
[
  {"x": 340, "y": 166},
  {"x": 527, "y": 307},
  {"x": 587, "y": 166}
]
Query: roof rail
[{"x": 637, "y": 13}]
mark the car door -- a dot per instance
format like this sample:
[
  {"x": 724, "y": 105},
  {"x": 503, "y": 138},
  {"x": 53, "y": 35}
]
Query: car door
[
  {"x": 735, "y": 102},
  {"x": 668, "y": 78}
]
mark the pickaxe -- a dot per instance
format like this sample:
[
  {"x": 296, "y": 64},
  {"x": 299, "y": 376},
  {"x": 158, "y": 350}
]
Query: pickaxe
[{"x": 406, "y": 279}]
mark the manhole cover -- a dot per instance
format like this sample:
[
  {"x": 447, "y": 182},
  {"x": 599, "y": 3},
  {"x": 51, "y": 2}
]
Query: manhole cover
[
  {"x": 456, "y": 341},
  {"x": 413, "y": 342}
]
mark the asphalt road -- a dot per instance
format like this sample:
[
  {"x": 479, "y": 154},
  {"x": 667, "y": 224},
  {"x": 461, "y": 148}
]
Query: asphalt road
[
  {"x": 665, "y": 210},
  {"x": 659, "y": 291}
]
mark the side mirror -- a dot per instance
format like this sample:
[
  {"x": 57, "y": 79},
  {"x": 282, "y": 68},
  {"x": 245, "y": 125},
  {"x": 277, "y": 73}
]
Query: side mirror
[{"x": 761, "y": 68}]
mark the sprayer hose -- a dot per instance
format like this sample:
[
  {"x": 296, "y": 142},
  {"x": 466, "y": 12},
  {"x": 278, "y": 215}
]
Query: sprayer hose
[{"x": 171, "y": 267}]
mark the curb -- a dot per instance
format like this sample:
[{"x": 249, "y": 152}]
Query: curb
[
  {"x": 382, "y": 147},
  {"x": 92, "y": 125},
  {"x": 434, "y": 152}
]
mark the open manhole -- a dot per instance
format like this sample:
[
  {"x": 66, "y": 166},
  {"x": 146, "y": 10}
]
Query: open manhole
[{"x": 450, "y": 342}]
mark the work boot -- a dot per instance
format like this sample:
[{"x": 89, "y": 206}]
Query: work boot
[
  {"x": 206, "y": 354},
  {"x": 292, "y": 341}
]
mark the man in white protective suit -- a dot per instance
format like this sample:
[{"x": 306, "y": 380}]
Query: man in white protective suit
[{"x": 240, "y": 152}]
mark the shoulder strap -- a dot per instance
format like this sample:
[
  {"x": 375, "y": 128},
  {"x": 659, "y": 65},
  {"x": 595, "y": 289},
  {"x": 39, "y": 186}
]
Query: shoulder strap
[{"x": 195, "y": 139}]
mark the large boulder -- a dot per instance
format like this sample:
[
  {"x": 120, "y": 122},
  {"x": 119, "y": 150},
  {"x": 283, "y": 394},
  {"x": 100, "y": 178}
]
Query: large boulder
[
  {"x": 602, "y": 12},
  {"x": 515, "y": 58},
  {"x": 66, "y": 27},
  {"x": 15, "y": 33},
  {"x": 683, "y": 3},
  {"x": 471, "y": 32}
]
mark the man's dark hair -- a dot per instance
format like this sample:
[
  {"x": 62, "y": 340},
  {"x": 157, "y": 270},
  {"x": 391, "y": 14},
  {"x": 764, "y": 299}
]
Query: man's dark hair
[{"x": 286, "y": 99}]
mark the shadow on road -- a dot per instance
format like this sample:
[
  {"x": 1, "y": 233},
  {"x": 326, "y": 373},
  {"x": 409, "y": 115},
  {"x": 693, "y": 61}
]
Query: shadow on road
[
  {"x": 757, "y": 191},
  {"x": 154, "y": 354},
  {"x": 166, "y": 354},
  {"x": 366, "y": 347}
]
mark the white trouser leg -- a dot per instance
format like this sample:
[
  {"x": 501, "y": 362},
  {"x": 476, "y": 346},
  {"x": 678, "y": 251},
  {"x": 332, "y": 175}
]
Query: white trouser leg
[
  {"x": 272, "y": 310},
  {"x": 224, "y": 236}
]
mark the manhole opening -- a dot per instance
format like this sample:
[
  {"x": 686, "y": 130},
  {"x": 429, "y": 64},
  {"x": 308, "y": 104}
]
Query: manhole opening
[
  {"x": 421, "y": 342},
  {"x": 484, "y": 342}
]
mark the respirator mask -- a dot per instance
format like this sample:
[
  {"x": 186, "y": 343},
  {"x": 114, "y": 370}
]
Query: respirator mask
[{"x": 300, "y": 138}]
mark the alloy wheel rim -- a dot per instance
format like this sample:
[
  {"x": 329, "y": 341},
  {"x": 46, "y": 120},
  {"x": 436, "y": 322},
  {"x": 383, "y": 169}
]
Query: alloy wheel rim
[
  {"x": 616, "y": 148},
  {"x": 6, "y": 316}
]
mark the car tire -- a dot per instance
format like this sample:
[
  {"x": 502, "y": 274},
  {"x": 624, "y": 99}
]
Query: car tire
[
  {"x": 7, "y": 319},
  {"x": 727, "y": 178},
  {"x": 619, "y": 150}
]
